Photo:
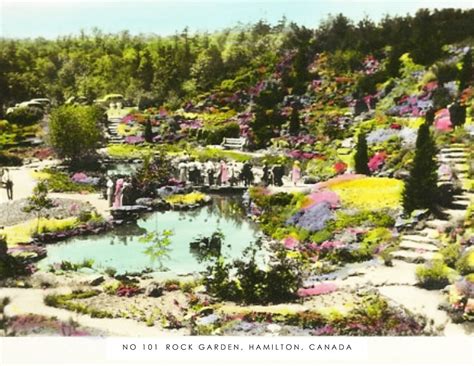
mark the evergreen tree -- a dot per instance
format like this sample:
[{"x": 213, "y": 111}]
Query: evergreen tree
[
  {"x": 294, "y": 122},
  {"x": 466, "y": 71},
  {"x": 361, "y": 157},
  {"x": 148, "y": 131},
  {"x": 430, "y": 116},
  {"x": 421, "y": 189},
  {"x": 457, "y": 114}
]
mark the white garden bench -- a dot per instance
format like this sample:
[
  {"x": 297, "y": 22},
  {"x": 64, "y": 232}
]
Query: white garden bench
[{"x": 234, "y": 143}]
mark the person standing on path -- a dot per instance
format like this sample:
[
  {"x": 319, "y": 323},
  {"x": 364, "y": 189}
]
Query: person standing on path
[
  {"x": 183, "y": 171},
  {"x": 296, "y": 172},
  {"x": 223, "y": 173},
  {"x": 118, "y": 193},
  {"x": 110, "y": 191},
  {"x": 7, "y": 183}
]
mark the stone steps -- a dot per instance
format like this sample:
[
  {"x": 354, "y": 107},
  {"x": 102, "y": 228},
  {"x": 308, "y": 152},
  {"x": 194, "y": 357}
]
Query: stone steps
[
  {"x": 461, "y": 203},
  {"x": 411, "y": 256},
  {"x": 437, "y": 224},
  {"x": 461, "y": 168},
  {"x": 456, "y": 214},
  {"x": 451, "y": 160},
  {"x": 417, "y": 246},
  {"x": 454, "y": 154},
  {"x": 419, "y": 238}
]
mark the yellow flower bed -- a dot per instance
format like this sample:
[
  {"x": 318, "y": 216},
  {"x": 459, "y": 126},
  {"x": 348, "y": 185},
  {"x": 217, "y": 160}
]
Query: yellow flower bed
[
  {"x": 186, "y": 199},
  {"x": 129, "y": 151},
  {"x": 22, "y": 233},
  {"x": 370, "y": 193},
  {"x": 125, "y": 130},
  {"x": 40, "y": 175}
]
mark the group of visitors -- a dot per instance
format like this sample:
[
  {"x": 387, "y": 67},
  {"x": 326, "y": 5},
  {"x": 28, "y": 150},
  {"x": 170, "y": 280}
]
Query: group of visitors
[
  {"x": 221, "y": 173},
  {"x": 215, "y": 173},
  {"x": 6, "y": 182},
  {"x": 117, "y": 191}
]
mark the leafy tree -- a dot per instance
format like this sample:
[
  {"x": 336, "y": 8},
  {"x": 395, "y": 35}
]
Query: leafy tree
[
  {"x": 145, "y": 70},
  {"x": 39, "y": 202},
  {"x": 74, "y": 131},
  {"x": 465, "y": 75},
  {"x": 361, "y": 158},
  {"x": 154, "y": 173},
  {"x": 421, "y": 189},
  {"x": 208, "y": 68}
]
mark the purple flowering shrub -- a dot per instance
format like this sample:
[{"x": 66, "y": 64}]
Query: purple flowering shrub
[{"x": 313, "y": 218}]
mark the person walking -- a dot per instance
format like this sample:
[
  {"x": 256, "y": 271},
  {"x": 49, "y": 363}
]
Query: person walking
[
  {"x": 8, "y": 184},
  {"x": 296, "y": 172}
]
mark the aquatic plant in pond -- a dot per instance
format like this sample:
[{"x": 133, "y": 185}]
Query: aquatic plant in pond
[{"x": 158, "y": 245}]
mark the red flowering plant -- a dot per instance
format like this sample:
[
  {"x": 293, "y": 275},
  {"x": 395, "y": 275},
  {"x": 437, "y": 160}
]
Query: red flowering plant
[
  {"x": 127, "y": 290},
  {"x": 340, "y": 167}
]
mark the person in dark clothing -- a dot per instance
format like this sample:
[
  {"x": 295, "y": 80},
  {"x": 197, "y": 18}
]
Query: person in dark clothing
[
  {"x": 7, "y": 183},
  {"x": 247, "y": 174},
  {"x": 9, "y": 187},
  {"x": 278, "y": 171},
  {"x": 266, "y": 175}
]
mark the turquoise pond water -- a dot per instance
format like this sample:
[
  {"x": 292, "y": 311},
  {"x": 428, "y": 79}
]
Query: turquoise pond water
[{"x": 122, "y": 250}]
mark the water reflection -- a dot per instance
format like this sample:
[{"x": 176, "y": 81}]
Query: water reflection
[{"x": 122, "y": 249}]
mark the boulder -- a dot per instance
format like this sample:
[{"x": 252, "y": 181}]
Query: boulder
[
  {"x": 96, "y": 281},
  {"x": 154, "y": 290},
  {"x": 144, "y": 201}
]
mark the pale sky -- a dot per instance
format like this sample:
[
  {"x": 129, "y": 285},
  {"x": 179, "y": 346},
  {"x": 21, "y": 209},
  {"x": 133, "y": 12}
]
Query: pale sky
[{"x": 51, "y": 18}]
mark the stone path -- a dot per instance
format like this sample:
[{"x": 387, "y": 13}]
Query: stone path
[
  {"x": 30, "y": 301},
  {"x": 112, "y": 134},
  {"x": 23, "y": 182},
  {"x": 423, "y": 246},
  {"x": 399, "y": 283}
]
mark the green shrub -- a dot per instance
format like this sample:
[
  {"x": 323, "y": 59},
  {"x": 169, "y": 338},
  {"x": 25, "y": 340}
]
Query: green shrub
[
  {"x": 25, "y": 116},
  {"x": 7, "y": 159},
  {"x": 213, "y": 135},
  {"x": 110, "y": 271},
  {"x": 252, "y": 284},
  {"x": 62, "y": 183},
  {"x": 451, "y": 253},
  {"x": 465, "y": 264},
  {"x": 66, "y": 302},
  {"x": 434, "y": 275}
]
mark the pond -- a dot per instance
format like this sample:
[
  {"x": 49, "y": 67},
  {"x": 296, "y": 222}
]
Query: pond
[{"x": 122, "y": 249}]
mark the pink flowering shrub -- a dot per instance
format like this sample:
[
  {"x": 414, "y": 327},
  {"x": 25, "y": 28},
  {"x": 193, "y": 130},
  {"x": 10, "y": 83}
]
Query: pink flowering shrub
[
  {"x": 320, "y": 289},
  {"x": 323, "y": 196},
  {"x": 290, "y": 242},
  {"x": 442, "y": 121},
  {"x": 339, "y": 179},
  {"x": 377, "y": 161}
]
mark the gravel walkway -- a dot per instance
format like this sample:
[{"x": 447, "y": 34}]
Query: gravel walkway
[{"x": 11, "y": 213}]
